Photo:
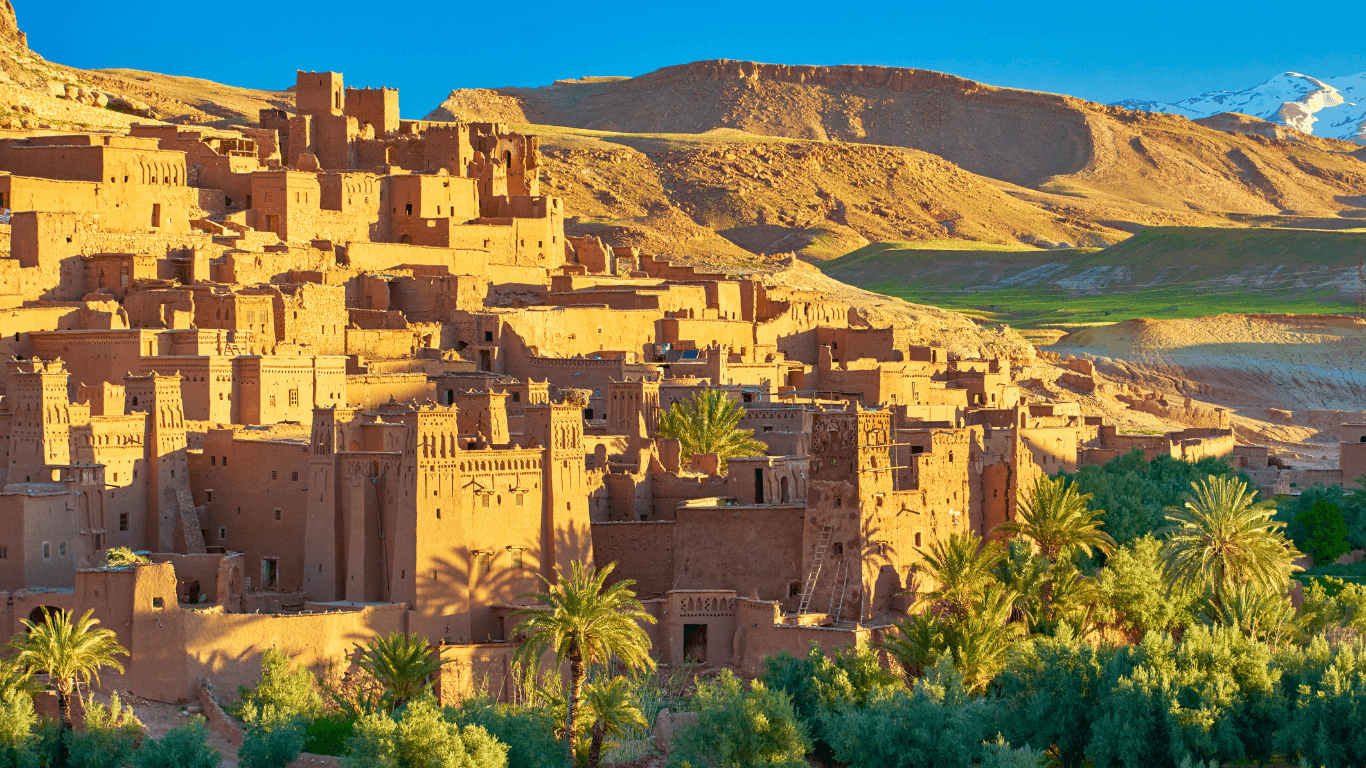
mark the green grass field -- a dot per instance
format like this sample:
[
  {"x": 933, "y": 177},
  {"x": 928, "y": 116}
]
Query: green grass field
[{"x": 1164, "y": 273}]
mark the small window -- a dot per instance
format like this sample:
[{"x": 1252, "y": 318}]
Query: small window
[
  {"x": 516, "y": 558},
  {"x": 123, "y": 521},
  {"x": 837, "y": 549},
  {"x": 839, "y": 502},
  {"x": 293, "y": 397},
  {"x": 222, "y": 533},
  {"x": 213, "y": 461},
  {"x": 488, "y": 335},
  {"x": 521, "y": 499},
  {"x": 485, "y": 562},
  {"x": 277, "y": 513},
  {"x": 47, "y": 551},
  {"x": 208, "y": 496},
  {"x": 225, "y": 463},
  {"x": 918, "y": 539},
  {"x": 4, "y": 553},
  {"x": 272, "y": 401},
  {"x": 158, "y": 603},
  {"x": 61, "y": 549},
  {"x": 274, "y": 475},
  {"x": 438, "y": 514},
  {"x": 294, "y": 477},
  {"x": 794, "y": 589},
  {"x": 485, "y": 500}
]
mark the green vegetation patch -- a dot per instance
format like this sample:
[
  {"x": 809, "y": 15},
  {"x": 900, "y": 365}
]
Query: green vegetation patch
[{"x": 1163, "y": 273}]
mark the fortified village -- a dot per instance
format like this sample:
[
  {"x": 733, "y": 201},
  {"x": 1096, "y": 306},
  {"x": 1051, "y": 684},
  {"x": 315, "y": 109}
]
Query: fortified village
[{"x": 344, "y": 374}]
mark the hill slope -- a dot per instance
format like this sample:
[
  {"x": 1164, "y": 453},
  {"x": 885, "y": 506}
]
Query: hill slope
[
  {"x": 1163, "y": 272},
  {"x": 731, "y": 196},
  {"x": 1114, "y": 167}
]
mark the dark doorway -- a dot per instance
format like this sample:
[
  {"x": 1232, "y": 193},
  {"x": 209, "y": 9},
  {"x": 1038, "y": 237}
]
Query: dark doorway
[
  {"x": 270, "y": 573},
  {"x": 759, "y": 486},
  {"x": 695, "y": 643},
  {"x": 782, "y": 491},
  {"x": 36, "y": 617},
  {"x": 450, "y": 397},
  {"x": 485, "y": 360}
]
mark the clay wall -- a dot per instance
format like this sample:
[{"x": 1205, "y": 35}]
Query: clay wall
[
  {"x": 642, "y": 550},
  {"x": 376, "y": 106},
  {"x": 253, "y": 494},
  {"x": 373, "y": 390}
]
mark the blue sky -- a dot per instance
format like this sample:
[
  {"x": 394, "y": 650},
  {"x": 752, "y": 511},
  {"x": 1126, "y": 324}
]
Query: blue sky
[{"x": 1102, "y": 51}]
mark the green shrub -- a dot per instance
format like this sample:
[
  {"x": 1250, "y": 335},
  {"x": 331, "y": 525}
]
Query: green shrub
[
  {"x": 1215, "y": 696},
  {"x": 819, "y": 684},
  {"x": 1333, "y": 604},
  {"x": 936, "y": 725},
  {"x": 420, "y": 738},
  {"x": 738, "y": 726},
  {"x": 110, "y": 736},
  {"x": 272, "y": 742},
  {"x": 999, "y": 754},
  {"x": 291, "y": 692},
  {"x": 1353, "y": 506},
  {"x": 116, "y": 557},
  {"x": 1325, "y": 530},
  {"x": 1135, "y": 492},
  {"x": 528, "y": 731},
  {"x": 17, "y": 739},
  {"x": 327, "y": 735},
  {"x": 1137, "y": 597},
  {"x": 186, "y": 746},
  {"x": 1049, "y": 688},
  {"x": 1327, "y": 723}
]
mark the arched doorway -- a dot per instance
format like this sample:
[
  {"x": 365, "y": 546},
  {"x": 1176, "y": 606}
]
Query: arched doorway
[
  {"x": 405, "y": 239},
  {"x": 36, "y": 616}
]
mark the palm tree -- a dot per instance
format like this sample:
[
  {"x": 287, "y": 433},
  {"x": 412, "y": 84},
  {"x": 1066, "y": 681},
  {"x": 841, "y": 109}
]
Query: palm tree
[
  {"x": 402, "y": 664},
  {"x": 961, "y": 569},
  {"x": 708, "y": 424},
  {"x": 69, "y": 653},
  {"x": 919, "y": 641},
  {"x": 611, "y": 707},
  {"x": 1267, "y": 617},
  {"x": 1059, "y": 520},
  {"x": 586, "y": 622},
  {"x": 980, "y": 641},
  {"x": 1222, "y": 539}
]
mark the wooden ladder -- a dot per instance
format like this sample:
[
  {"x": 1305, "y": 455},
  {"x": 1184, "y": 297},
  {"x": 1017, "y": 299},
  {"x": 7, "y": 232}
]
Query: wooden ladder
[
  {"x": 817, "y": 558},
  {"x": 838, "y": 590}
]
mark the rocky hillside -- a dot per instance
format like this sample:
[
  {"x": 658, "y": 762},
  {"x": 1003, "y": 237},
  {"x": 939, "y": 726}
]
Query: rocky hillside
[
  {"x": 1104, "y": 165},
  {"x": 36, "y": 94},
  {"x": 734, "y": 196},
  {"x": 1290, "y": 379}
]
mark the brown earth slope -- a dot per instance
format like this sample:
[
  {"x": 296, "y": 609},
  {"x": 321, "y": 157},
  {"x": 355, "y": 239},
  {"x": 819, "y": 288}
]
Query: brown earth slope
[
  {"x": 1290, "y": 379},
  {"x": 1081, "y": 161},
  {"x": 731, "y": 196}
]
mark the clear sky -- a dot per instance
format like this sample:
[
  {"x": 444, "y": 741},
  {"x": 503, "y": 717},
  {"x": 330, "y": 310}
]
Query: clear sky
[{"x": 1160, "y": 50}]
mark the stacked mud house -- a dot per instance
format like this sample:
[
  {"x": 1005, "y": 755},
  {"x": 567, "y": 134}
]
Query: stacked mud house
[{"x": 317, "y": 368}]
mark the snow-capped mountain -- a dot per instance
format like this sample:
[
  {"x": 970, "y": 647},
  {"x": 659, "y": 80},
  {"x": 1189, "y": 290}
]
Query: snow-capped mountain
[{"x": 1334, "y": 107}]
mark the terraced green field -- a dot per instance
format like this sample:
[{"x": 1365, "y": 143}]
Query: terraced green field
[{"x": 1163, "y": 273}]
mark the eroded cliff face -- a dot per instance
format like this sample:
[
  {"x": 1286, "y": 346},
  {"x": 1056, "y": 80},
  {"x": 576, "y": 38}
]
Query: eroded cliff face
[
  {"x": 1017, "y": 136},
  {"x": 9, "y": 25}
]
